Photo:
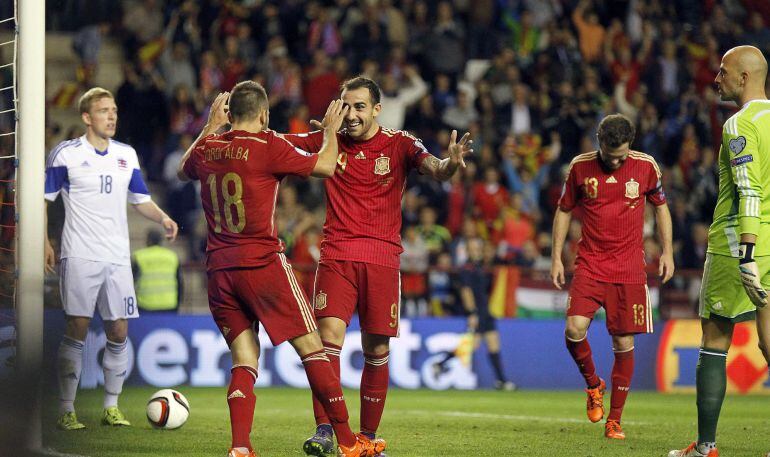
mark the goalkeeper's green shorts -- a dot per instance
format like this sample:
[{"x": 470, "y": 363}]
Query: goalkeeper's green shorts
[{"x": 722, "y": 295}]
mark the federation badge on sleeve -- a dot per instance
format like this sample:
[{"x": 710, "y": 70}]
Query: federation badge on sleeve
[
  {"x": 632, "y": 189},
  {"x": 320, "y": 301},
  {"x": 737, "y": 145},
  {"x": 382, "y": 166}
]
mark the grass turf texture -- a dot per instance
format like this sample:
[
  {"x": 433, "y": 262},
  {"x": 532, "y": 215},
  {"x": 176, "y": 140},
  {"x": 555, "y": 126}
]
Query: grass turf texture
[{"x": 420, "y": 424}]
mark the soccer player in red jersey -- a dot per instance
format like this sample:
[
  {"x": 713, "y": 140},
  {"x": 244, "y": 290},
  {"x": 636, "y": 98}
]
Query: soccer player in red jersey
[
  {"x": 359, "y": 265},
  {"x": 610, "y": 186},
  {"x": 249, "y": 278}
]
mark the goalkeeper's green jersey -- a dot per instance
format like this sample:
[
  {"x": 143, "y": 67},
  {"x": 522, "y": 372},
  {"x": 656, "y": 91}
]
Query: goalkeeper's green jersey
[{"x": 743, "y": 203}]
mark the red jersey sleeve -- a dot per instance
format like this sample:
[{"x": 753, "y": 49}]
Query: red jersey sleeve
[
  {"x": 286, "y": 159},
  {"x": 570, "y": 191},
  {"x": 415, "y": 152},
  {"x": 655, "y": 194},
  {"x": 190, "y": 165},
  {"x": 309, "y": 142}
]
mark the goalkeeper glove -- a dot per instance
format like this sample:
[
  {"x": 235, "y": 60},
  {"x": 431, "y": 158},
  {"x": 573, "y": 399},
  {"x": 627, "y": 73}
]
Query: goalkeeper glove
[{"x": 750, "y": 276}]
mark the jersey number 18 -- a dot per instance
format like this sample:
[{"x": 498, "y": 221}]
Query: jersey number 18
[{"x": 230, "y": 199}]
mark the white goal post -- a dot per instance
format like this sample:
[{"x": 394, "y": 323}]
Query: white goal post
[{"x": 30, "y": 82}]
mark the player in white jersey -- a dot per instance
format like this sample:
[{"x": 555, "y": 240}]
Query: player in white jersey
[{"x": 96, "y": 176}]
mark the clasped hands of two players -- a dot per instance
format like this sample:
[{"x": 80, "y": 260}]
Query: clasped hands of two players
[{"x": 749, "y": 272}]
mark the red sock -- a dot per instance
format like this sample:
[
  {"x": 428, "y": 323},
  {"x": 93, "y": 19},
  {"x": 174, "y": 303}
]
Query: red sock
[
  {"x": 622, "y": 372},
  {"x": 374, "y": 388},
  {"x": 581, "y": 353},
  {"x": 326, "y": 388},
  {"x": 241, "y": 400},
  {"x": 333, "y": 354}
]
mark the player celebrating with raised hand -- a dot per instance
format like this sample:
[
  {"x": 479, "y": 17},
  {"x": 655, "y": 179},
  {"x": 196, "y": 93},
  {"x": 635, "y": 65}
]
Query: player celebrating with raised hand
[
  {"x": 737, "y": 271},
  {"x": 249, "y": 279},
  {"x": 95, "y": 176},
  {"x": 359, "y": 265},
  {"x": 611, "y": 187}
]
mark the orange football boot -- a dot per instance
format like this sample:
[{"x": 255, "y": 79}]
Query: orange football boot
[
  {"x": 364, "y": 447},
  {"x": 595, "y": 401},
  {"x": 613, "y": 430},
  {"x": 692, "y": 451}
]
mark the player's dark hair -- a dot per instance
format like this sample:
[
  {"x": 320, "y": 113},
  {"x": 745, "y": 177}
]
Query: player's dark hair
[
  {"x": 247, "y": 100},
  {"x": 362, "y": 81},
  {"x": 154, "y": 237},
  {"x": 616, "y": 129}
]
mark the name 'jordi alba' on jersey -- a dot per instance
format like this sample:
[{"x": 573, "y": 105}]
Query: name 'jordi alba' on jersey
[{"x": 95, "y": 186}]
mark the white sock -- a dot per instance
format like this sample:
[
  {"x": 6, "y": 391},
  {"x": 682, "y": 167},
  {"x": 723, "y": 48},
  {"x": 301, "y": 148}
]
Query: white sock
[
  {"x": 115, "y": 365},
  {"x": 69, "y": 365},
  {"x": 705, "y": 447}
]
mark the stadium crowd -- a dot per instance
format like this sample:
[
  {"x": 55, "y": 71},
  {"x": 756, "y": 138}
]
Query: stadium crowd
[{"x": 530, "y": 79}]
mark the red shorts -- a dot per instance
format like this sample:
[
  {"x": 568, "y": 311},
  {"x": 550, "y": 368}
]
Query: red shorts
[
  {"x": 627, "y": 306},
  {"x": 341, "y": 286},
  {"x": 270, "y": 294}
]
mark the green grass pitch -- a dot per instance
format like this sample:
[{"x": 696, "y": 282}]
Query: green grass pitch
[{"x": 422, "y": 424}]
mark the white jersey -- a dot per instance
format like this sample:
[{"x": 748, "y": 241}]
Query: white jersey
[{"x": 95, "y": 186}]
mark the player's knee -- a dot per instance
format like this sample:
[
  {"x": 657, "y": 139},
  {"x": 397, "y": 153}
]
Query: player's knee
[
  {"x": 622, "y": 344},
  {"x": 331, "y": 331},
  {"x": 77, "y": 328},
  {"x": 575, "y": 332},
  {"x": 375, "y": 344}
]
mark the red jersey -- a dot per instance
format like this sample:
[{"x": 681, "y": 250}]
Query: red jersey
[
  {"x": 363, "y": 198},
  {"x": 611, "y": 248},
  {"x": 240, "y": 173}
]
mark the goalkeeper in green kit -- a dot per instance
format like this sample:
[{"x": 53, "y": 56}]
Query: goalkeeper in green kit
[{"x": 736, "y": 276}]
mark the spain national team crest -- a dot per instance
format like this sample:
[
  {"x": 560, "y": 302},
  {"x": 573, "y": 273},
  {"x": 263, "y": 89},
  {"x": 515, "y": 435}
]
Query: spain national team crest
[
  {"x": 320, "y": 301},
  {"x": 632, "y": 189},
  {"x": 382, "y": 166}
]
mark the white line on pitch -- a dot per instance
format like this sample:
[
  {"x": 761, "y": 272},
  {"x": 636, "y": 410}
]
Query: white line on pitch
[{"x": 569, "y": 420}]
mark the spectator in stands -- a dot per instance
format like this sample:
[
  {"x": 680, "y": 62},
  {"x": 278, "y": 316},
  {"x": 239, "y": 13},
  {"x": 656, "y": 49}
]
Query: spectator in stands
[
  {"x": 590, "y": 31},
  {"x": 397, "y": 98},
  {"x": 182, "y": 199},
  {"x": 440, "y": 290},
  {"x": 489, "y": 196},
  {"x": 436, "y": 237},
  {"x": 414, "y": 266},
  {"x": 461, "y": 115},
  {"x": 445, "y": 47}
]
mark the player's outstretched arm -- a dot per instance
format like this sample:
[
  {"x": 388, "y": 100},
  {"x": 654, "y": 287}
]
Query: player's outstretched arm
[
  {"x": 663, "y": 221},
  {"x": 153, "y": 212},
  {"x": 561, "y": 221},
  {"x": 327, "y": 156},
  {"x": 217, "y": 119},
  {"x": 446, "y": 168}
]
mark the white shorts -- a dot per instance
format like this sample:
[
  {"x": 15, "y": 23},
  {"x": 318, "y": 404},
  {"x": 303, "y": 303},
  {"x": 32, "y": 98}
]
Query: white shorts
[{"x": 87, "y": 284}]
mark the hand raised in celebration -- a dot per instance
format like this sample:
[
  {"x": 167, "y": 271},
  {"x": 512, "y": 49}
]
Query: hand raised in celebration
[
  {"x": 218, "y": 113},
  {"x": 459, "y": 149},
  {"x": 335, "y": 115}
]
